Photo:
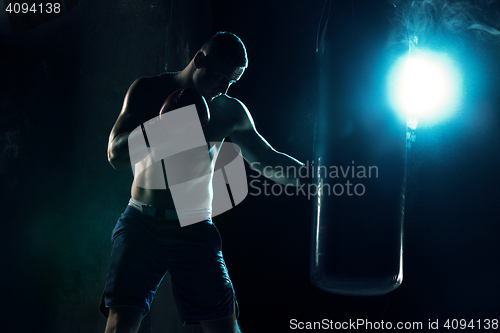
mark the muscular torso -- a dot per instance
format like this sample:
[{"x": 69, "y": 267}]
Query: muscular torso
[{"x": 222, "y": 122}]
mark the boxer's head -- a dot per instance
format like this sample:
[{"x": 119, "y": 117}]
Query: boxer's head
[{"x": 220, "y": 62}]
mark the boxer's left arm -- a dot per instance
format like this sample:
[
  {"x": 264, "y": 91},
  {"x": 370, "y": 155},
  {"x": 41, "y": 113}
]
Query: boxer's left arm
[
  {"x": 130, "y": 117},
  {"x": 261, "y": 156}
]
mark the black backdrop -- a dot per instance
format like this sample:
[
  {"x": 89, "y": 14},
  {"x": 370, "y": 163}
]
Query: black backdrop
[{"x": 62, "y": 86}]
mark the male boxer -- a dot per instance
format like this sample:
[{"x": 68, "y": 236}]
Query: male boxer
[{"x": 148, "y": 240}]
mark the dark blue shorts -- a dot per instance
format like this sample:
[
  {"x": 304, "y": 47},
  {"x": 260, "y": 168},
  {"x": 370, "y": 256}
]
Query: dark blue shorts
[{"x": 145, "y": 248}]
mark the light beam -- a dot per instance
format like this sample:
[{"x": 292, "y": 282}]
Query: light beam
[{"x": 425, "y": 86}]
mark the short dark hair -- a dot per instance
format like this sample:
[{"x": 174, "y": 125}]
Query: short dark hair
[{"x": 226, "y": 45}]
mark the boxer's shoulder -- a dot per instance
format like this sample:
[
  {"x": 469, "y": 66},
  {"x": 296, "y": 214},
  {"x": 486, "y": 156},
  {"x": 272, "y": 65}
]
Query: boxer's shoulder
[
  {"x": 147, "y": 94},
  {"x": 229, "y": 105},
  {"x": 148, "y": 85},
  {"x": 233, "y": 109},
  {"x": 138, "y": 91}
]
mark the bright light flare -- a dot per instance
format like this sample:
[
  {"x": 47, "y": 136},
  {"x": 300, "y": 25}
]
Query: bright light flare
[{"x": 425, "y": 86}]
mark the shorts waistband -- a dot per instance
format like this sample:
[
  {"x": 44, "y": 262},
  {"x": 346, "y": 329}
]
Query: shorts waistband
[
  {"x": 153, "y": 211},
  {"x": 164, "y": 213}
]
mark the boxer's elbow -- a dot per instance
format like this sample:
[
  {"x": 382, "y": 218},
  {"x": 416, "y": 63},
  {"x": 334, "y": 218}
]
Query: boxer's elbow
[
  {"x": 113, "y": 161},
  {"x": 118, "y": 154},
  {"x": 116, "y": 161}
]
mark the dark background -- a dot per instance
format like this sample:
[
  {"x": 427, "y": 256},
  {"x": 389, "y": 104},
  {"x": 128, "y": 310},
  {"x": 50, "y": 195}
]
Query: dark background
[{"x": 62, "y": 87}]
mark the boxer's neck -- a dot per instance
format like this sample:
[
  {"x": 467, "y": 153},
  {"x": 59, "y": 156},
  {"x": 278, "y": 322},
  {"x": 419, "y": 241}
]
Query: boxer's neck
[{"x": 184, "y": 78}]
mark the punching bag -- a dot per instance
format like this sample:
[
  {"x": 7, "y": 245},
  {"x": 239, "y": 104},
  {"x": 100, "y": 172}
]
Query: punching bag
[{"x": 359, "y": 151}]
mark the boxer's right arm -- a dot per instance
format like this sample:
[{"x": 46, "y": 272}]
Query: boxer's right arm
[{"x": 130, "y": 118}]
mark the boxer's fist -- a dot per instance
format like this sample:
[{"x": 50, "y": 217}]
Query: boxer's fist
[{"x": 184, "y": 97}]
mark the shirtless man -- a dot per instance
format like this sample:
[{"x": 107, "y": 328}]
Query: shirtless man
[{"x": 202, "y": 289}]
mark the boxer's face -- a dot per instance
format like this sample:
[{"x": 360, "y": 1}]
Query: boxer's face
[{"x": 213, "y": 77}]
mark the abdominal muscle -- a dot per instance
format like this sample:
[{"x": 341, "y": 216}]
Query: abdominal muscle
[{"x": 194, "y": 188}]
